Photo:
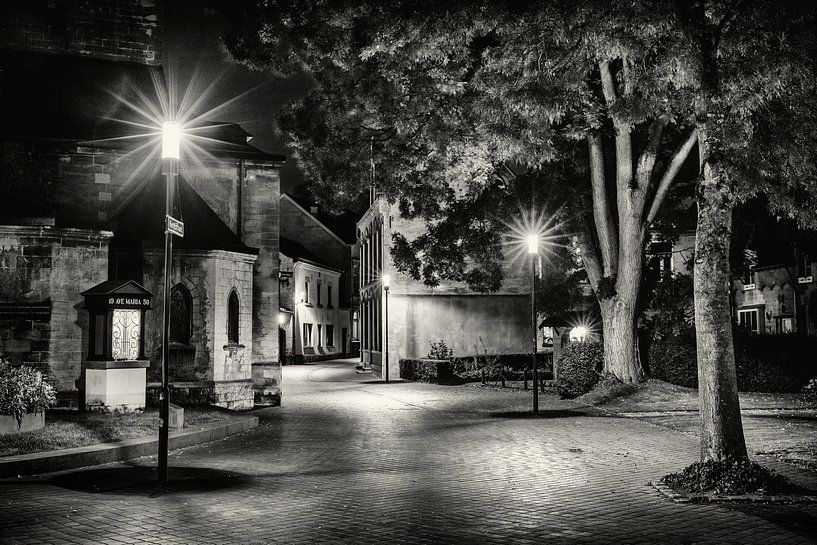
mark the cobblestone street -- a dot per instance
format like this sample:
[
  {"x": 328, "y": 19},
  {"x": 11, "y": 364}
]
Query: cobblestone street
[{"x": 348, "y": 459}]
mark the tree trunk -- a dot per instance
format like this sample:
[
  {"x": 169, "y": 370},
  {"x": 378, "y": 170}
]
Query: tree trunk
[
  {"x": 721, "y": 427},
  {"x": 620, "y": 341},
  {"x": 618, "y": 313}
]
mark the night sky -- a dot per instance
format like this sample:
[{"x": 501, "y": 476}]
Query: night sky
[{"x": 191, "y": 40}]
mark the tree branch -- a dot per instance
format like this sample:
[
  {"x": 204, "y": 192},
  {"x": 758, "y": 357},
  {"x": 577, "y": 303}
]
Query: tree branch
[
  {"x": 589, "y": 253},
  {"x": 602, "y": 213},
  {"x": 608, "y": 86},
  {"x": 646, "y": 162},
  {"x": 677, "y": 161}
]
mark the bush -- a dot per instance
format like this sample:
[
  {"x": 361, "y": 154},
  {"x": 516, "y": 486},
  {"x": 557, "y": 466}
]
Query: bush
[
  {"x": 440, "y": 351},
  {"x": 422, "y": 370},
  {"x": 579, "y": 368},
  {"x": 764, "y": 363},
  {"x": 23, "y": 390},
  {"x": 674, "y": 359}
]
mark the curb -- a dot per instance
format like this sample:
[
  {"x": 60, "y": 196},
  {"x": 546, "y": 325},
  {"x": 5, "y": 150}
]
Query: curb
[
  {"x": 679, "y": 497},
  {"x": 105, "y": 453}
]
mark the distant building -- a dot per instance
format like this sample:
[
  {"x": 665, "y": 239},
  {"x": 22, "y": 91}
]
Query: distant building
[
  {"x": 777, "y": 298},
  {"x": 319, "y": 250},
  {"x": 318, "y": 327},
  {"x": 469, "y": 322}
]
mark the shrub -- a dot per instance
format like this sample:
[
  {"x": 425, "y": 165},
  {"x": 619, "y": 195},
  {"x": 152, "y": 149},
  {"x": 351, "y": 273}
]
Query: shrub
[
  {"x": 23, "y": 390},
  {"x": 440, "y": 351},
  {"x": 674, "y": 359},
  {"x": 579, "y": 368},
  {"x": 764, "y": 363},
  {"x": 419, "y": 370}
]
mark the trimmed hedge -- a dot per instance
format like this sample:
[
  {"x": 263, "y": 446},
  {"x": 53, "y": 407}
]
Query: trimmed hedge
[
  {"x": 764, "y": 363},
  {"x": 579, "y": 368},
  {"x": 472, "y": 368}
]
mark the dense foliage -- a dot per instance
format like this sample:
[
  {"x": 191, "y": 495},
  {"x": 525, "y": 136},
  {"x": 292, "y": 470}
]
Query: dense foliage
[
  {"x": 578, "y": 368},
  {"x": 23, "y": 390},
  {"x": 764, "y": 363}
]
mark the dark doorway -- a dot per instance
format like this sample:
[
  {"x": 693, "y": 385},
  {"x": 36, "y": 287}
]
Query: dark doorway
[
  {"x": 343, "y": 342},
  {"x": 282, "y": 345}
]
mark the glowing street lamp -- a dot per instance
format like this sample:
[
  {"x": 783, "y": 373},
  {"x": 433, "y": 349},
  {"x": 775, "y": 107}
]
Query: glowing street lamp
[
  {"x": 171, "y": 142},
  {"x": 386, "y": 281},
  {"x": 533, "y": 251}
]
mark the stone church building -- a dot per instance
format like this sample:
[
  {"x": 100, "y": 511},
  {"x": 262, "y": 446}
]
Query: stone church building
[{"x": 80, "y": 205}]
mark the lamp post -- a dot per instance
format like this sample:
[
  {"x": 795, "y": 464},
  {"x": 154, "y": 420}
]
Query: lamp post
[
  {"x": 533, "y": 251},
  {"x": 386, "y": 281},
  {"x": 171, "y": 139}
]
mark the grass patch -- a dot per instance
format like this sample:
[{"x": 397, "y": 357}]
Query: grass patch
[
  {"x": 69, "y": 429},
  {"x": 730, "y": 478}
]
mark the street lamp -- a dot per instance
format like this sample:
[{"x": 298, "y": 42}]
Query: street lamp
[
  {"x": 171, "y": 140},
  {"x": 533, "y": 251},
  {"x": 386, "y": 281}
]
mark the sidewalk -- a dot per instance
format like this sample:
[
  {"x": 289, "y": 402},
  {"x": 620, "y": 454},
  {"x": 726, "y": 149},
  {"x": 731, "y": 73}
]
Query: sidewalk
[
  {"x": 349, "y": 459},
  {"x": 104, "y": 453}
]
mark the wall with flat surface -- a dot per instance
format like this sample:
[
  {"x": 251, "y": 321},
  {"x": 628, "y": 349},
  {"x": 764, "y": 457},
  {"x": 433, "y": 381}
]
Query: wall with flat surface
[
  {"x": 121, "y": 30},
  {"x": 43, "y": 270}
]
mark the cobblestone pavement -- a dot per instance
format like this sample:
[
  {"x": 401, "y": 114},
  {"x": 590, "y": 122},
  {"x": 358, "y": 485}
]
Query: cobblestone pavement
[{"x": 348, "y": 459}]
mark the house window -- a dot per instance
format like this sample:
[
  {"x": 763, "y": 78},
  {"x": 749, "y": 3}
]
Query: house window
[
  {"x": 329, "y": 295},
  {"x": 181, "y": 314},
  {"x": 319, "y": 294},
  {"x": 330, "y": 335},
  {"x": 748, "y": 320},
  {"x": 749, "y": 280},
  {"x": 785, "y": 324},
  {"x": 232, "y": 318},
  {"x": 307, "y": 337},
  {"x": 664, "y": 263},
  {"x": 319, "y": 335},
  {"x": 306, "y": 291}
]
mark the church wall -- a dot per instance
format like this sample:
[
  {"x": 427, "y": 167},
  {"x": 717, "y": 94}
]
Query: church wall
[
  {"x": 43, "y": 270},
  {"x": 120, "y": 30}
]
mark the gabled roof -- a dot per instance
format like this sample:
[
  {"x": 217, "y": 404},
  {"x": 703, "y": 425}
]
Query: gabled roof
[
  {"x": 117, "y": 287},
  {"x": 342, "y": 228},
  {"x": 296, "y": 252},
  {"x": 141, "y": 220}
]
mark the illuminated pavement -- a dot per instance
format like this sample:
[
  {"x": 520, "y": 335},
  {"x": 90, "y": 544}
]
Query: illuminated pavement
[{"x": 350, "y": 460}]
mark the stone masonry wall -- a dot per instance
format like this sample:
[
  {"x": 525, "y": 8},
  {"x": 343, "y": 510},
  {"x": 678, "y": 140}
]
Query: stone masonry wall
[
  {"x": 209, "y": 277},
  {"x": 261, "y": 229},
  {"x": 47, "y": 268},
  {"x": 121, "y": 30}
]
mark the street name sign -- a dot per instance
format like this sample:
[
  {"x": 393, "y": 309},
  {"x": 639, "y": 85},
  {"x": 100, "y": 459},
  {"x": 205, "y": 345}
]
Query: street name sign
[{"x": 174, "y": 226}]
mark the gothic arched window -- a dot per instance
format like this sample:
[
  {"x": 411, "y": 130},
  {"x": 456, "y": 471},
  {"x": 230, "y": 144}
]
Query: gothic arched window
[
  {"x": 232, "y": 318},
  {"x": 181, "y": 314}
]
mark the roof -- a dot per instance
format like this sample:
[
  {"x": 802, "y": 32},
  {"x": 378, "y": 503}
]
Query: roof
[
  {"x": 117, "y": 287},
  {"x": 342, "y": 226},
  {"x": 297, "y": 252},
  {"x": 47, "y": 96},
  {"x": 141, "y": 220}
]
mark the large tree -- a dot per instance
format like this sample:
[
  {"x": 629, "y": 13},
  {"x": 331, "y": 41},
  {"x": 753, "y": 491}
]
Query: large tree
[
  {"x": 483, "y": 93},
  {"x": 608, "y": 102}
]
